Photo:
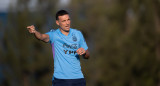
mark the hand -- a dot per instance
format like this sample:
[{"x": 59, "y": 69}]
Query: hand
[
  {"x": 81, "y": 51},
  {"x": 31, "y": 29}
]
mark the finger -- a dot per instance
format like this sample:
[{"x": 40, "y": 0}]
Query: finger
[
  {"x": 30, "y": 31},
  {"x": 31, "y": 26},
  {"x": 28, "y": 26},
  {"x": 78, "y": 52},
  {"x": 82, "y": 53}
]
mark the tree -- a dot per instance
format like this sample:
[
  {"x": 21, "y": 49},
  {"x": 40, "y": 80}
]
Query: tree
[
  {"x": 29, "y": 61},
  {"x": 123, "y": 37}
]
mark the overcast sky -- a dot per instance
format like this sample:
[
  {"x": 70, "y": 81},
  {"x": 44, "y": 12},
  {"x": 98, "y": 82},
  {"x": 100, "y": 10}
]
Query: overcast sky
[
  {"x": 4, "y": 4},
  {"x": 64, "y": 2}
]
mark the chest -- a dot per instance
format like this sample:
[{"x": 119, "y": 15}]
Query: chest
[{"x": 68, "y": 42}]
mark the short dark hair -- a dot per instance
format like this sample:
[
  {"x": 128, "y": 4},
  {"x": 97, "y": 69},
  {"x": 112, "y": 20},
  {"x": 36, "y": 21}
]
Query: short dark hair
[{"x": 61, "y": 13}]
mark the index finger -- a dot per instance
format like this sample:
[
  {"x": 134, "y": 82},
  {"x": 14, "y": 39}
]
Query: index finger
[{"x": 30, "y": 26}]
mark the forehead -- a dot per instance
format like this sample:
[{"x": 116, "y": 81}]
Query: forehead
[{"x": 63, "y": 17}]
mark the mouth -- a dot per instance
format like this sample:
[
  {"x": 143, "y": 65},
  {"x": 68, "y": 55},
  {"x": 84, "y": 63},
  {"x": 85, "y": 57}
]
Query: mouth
[{"x": 67, "y": 26}]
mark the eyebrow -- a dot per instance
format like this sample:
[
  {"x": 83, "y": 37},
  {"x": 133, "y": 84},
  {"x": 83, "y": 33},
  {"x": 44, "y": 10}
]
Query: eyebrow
[{"x": 67, "y": 19}]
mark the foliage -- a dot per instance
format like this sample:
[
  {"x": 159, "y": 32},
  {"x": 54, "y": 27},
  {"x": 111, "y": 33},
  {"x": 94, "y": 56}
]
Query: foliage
[{"x": 123, "y": 39}]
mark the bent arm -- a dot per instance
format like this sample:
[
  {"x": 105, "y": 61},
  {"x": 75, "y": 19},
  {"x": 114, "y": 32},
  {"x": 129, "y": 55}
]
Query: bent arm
[
  {"x": 83, "y": 52},
  {"x": 86, "y": 55},
  {"x": 42, "y": 37},
  {"x": 38, "y": 35}
]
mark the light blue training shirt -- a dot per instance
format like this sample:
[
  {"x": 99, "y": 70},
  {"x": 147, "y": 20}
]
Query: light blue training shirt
[{"x": 66, "y": 60}]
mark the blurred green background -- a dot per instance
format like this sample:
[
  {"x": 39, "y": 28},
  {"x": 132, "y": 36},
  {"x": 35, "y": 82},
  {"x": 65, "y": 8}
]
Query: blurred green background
[{"x": 123, "y": 38}]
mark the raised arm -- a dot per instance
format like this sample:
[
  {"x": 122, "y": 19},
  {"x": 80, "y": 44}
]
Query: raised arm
[{"x": 38, "y": 35}]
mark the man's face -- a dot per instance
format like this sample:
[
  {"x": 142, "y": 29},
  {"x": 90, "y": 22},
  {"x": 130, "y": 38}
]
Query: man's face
[{"x": 64, "y": 22}]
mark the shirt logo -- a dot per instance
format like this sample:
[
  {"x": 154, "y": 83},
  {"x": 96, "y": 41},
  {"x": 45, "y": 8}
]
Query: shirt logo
[
  {"x": 72, "y": 48},
  {"x": 74, "y": 38}
]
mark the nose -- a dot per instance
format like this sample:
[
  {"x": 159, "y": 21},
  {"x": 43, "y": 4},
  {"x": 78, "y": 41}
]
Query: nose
[{"x": 67, "y": 22}]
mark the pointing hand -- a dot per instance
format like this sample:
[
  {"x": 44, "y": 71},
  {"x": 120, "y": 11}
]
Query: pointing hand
[{"x": 31, "y": 29}]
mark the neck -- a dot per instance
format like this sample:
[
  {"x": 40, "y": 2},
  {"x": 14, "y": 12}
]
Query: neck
[{"x": 64, "y": 32}]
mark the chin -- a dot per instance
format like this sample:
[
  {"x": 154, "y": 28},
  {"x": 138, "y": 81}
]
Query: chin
[{"x": 67, "y": 29}]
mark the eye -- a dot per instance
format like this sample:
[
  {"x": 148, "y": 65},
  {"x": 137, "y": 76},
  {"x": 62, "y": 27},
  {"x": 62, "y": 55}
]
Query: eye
[{"x": 63, "y": 20}]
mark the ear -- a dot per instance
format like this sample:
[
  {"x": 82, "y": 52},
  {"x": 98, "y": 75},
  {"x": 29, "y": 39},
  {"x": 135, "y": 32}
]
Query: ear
[{"x": 57, "y": 22}]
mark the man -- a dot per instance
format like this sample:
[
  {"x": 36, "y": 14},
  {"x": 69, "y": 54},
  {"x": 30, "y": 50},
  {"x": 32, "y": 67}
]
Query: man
[{"x": 67, "y": 45}]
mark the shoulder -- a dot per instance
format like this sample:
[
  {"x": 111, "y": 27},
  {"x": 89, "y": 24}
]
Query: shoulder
[
  {"x": 75, "y": 31},
  {"x": 52, "y": 31}
]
